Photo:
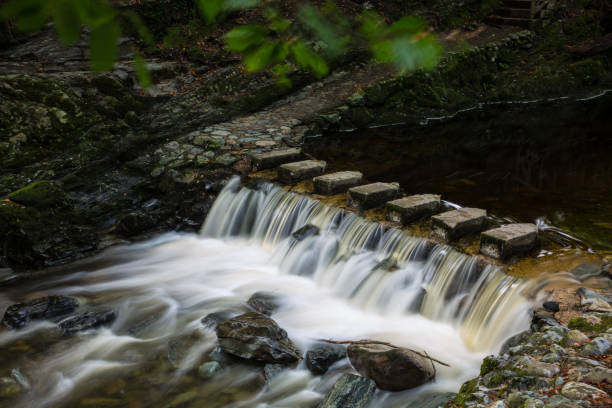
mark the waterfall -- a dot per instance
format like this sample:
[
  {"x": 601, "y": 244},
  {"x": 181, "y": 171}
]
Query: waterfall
[{"x": 376, "y": 268}]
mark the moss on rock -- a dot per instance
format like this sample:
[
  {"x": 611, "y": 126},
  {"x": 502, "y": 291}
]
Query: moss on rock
[{"x": 40, "y": 194}]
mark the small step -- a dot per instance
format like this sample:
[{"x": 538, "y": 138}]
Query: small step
[
  {"x": 455, "y": 224},
  {"x": 269, "y": 160},
  {"x": 290, "y": 173},
  {"x": 507, "y": 240},
  {"x": 408, "y": 209},
  {"x": 513, "y": 12},
  {"x": 519, "y": 22},
  {"x": 336, "y": 183},
  {"x": 371, "y": 195},
  {"x": 519, "y": 4}
]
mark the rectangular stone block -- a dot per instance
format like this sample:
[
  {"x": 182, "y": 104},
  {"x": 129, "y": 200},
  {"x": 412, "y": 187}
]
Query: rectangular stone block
[
  {"x": 407, "y": 209},
  {"x": 268, "y": 160},
  {"x": 371, "y": 195},
  {"x": 290, "y": 173},
  {"x": 508, "y": 240},
  {"x": 455, "y": 224},
  {"x": 335, "y": 183}
]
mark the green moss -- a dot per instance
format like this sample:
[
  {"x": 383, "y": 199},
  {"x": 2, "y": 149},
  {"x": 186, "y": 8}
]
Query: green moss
[
  {"x": 489, "y": 364},
  {"x": 40, "y": 194},
  {"x": 464, "y": 393},
  {"x": 580, "y": 323}
]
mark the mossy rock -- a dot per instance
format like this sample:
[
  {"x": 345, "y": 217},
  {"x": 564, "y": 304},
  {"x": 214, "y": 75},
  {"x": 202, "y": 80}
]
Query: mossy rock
[
  {"x": 580, "y": 323},
  {"x": 489, "y": 364},
  {"x": 40, "y": 194}
]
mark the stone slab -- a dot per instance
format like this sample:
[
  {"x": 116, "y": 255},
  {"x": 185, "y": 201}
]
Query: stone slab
[
  {"x": 336, "y": 183},
  {"x": 268, "y": 160},
  {"x": 371, "y": 195},
  {"x": 407, "y": 209},
  {"x": 455, "y": 224},
  {"x": 508, "y": 240},
  {"x": 290, "y": 173},
  {"x": 350, "y": 391}
]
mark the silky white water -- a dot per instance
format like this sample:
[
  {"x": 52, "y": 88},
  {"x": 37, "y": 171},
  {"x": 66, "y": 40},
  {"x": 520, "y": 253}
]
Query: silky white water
[{"x": 352, "y": 280}]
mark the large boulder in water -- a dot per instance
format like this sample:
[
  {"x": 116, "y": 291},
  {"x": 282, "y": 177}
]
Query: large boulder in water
[
  {"x": 393, "y": 369},
  {"x": 254, "y": 336},
  {"x": 45, "y": 308},
  {"x": 322, "y": 356},
  {"x": 350, "y": 391}
]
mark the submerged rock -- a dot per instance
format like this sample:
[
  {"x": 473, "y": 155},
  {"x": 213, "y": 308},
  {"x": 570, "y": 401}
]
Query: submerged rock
[
  {"x": 49, "y": 307},
  {"x": 350, "y": 391},
  {"x": 212, "y": 320},
  {"x": 322, "y": 356},
  {"x": 209, "y": 370},
  {"x": 306, "y": 231},
  {"x": 393, "y": 369},
  {"x": 272, "y": 370},
  {"x": 264, "y": 302},
  {"x": 87, "y": 321},
  {"x": 254, "y": 336}
]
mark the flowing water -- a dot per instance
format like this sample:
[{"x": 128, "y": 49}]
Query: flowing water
[{"x": 353, "y": 280}]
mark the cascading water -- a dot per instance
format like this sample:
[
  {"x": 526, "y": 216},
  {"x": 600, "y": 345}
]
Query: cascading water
[{"x": 348, "y": 278}]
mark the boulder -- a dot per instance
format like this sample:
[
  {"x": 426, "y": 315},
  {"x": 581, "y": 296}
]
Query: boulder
[
  {"x": 87, "y": 321},
  {"x": 322, "y": 356},
  {"x": 254, "y": 336},
  {"x": 393, "y": 369},
  {"x": 264, "y": 302},
  {"x": 551, "y": 306},
  {"x": 212, "y": 320},
  {"x": 350, "y": 391},
  {"x": 579, "y": 391},
  {"x": 45, "y": 308},
  {"x": 597, "y": 347}
]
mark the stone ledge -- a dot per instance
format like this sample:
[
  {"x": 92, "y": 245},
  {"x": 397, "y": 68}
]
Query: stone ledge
[
  {"x": 335, "y": 183},
  {"x": 455, "y": 224},
  {"x": 294, "y": 172},
  {"x": 371, "y": 195},
  {"x": 407, "y": 209},
  {"x": 508, "y": 240}
]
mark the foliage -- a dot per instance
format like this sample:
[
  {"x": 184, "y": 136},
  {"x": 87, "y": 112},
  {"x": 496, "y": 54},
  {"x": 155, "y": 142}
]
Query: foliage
[{"x": 316, "y": 37}]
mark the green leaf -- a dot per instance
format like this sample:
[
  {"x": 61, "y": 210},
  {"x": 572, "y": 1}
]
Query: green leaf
[
  {"x": 372, "y": 24},
  {"x": 244, "y": 37},
  {"x": 210, "y": 9},
  {"x": 260, "y": 57},
  {"x": 31, "y": 15},
  {"x": 323, "y": 29},
  {"x": 283, "y": 82},
  {"x": 309, "y": 59},
  {"x": 408, "y": 25},
  {"x": 239, "y": 4},
  {"x": 142, "y": 72},
  {"x": 67, "y": 21},
  {"x": 103, "y": 44}
]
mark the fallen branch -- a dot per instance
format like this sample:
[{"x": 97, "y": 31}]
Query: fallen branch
[{"x": 366, "y": 342}]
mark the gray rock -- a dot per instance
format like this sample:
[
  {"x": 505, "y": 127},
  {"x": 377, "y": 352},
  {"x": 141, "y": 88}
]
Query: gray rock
[
  {"x": 336, "y": 183},
  {"x": 264, "y": 302},
  {"x": 322, "y": 356},
  {"x": 508, "y": 240},
  {"x": 254, "y": 336},
  {"x": 225, "y": 159},
  {"x": 597, "y": 347},
  {"x": 407, "y": 209},
  {"x": 586, "y": 270},
  {"x": 46, "y": 308},
  {"x": 269, "y": 160},
  {"x": 350, "y": 391},
  {"x": 454, "y": 224},
  {"x": 20, "y": 379},
  {"x": 580, "y": 391},
  {"x": 559, "y": 401},
  {"x": 593, "y": 302},
  {"x": 432, "y": 401},
  {"x": 573, "y": 337},
  {"x": 533, "y": 403},
  {"x": 87, "y": 321},
  {"x": 371, "y": 195},
  {"x": 209, "y": 370},
  {"x": 598, "y": 375},
  {"x": 290, "y": 173},
  {"x": 305, "y": 232},
  {"x": 272, "y": 370},
  {"x": 531, "y": 367},
  {"x": 393, "y": 369},
  {"x": 551, "y": 358},
  {"x": 551, "y": 306}
]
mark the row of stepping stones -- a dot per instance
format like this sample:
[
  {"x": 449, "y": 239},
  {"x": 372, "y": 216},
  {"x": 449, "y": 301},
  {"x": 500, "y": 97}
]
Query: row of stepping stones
[{"x": 499, "y": 243}]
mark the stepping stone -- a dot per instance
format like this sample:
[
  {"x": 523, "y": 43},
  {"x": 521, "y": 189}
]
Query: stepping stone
[
  {"x": 455, "y": 224},
  {"x": 335, "y": 183},
  {"x": 371, "y": 195},
  {"x": 293, "y": 172},
  {"x": 268, "y": 160},
  {"x": 407, "y": 209},
  {"x": 507, "y": 240}
]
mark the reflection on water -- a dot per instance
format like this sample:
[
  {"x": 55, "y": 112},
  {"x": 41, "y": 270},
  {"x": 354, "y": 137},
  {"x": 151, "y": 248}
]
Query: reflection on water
[{"x": 551, "y": 160}]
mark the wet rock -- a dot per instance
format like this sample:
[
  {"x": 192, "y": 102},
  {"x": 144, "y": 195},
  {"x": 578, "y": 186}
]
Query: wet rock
[
  {"x": 551, "y": 306},
  {"x": 9, "y": 387},
  {"x": 46, "y": 308},
  {"x": 593, "y": 302},
  {"x": 586, "y": 270},
  {"x": 514, "y": 341},
  {"x": 508, "y": 240},
  {"x": 212, "y": 320},
  {"x": 208, "y": 370},
  {"x": 350, "y": 391},
  {"x": 40, "y": 194},
  {"x": 305, "y": 232},
  {"x": 371, "y": 195},
  {"x": 272, "y": 370},
  {"x": 254, "y": 336},
  {"x": 393, "y": 369},
  {"x": 134, "y": 223},
  {"x": 21, "y": 379},
  {"x": 268, "y": 160},
  {"x": 580, "y": 391},
  {"x": 531, "y": 367},
  {"x": 293, "y": 172},
  {"x": 408, "y": 209},
  {"x": 264, "y": 302},
  {"x": 597, "y": 347},
  {"x": 336, "y": 183},
  {"x": 433, "y": 401},
  {"x": 455, "y": 224},
  {"x": 322, "y": 356},
  {"x": 87, "y": 321},
  {"x": 222, "y": 357}
]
